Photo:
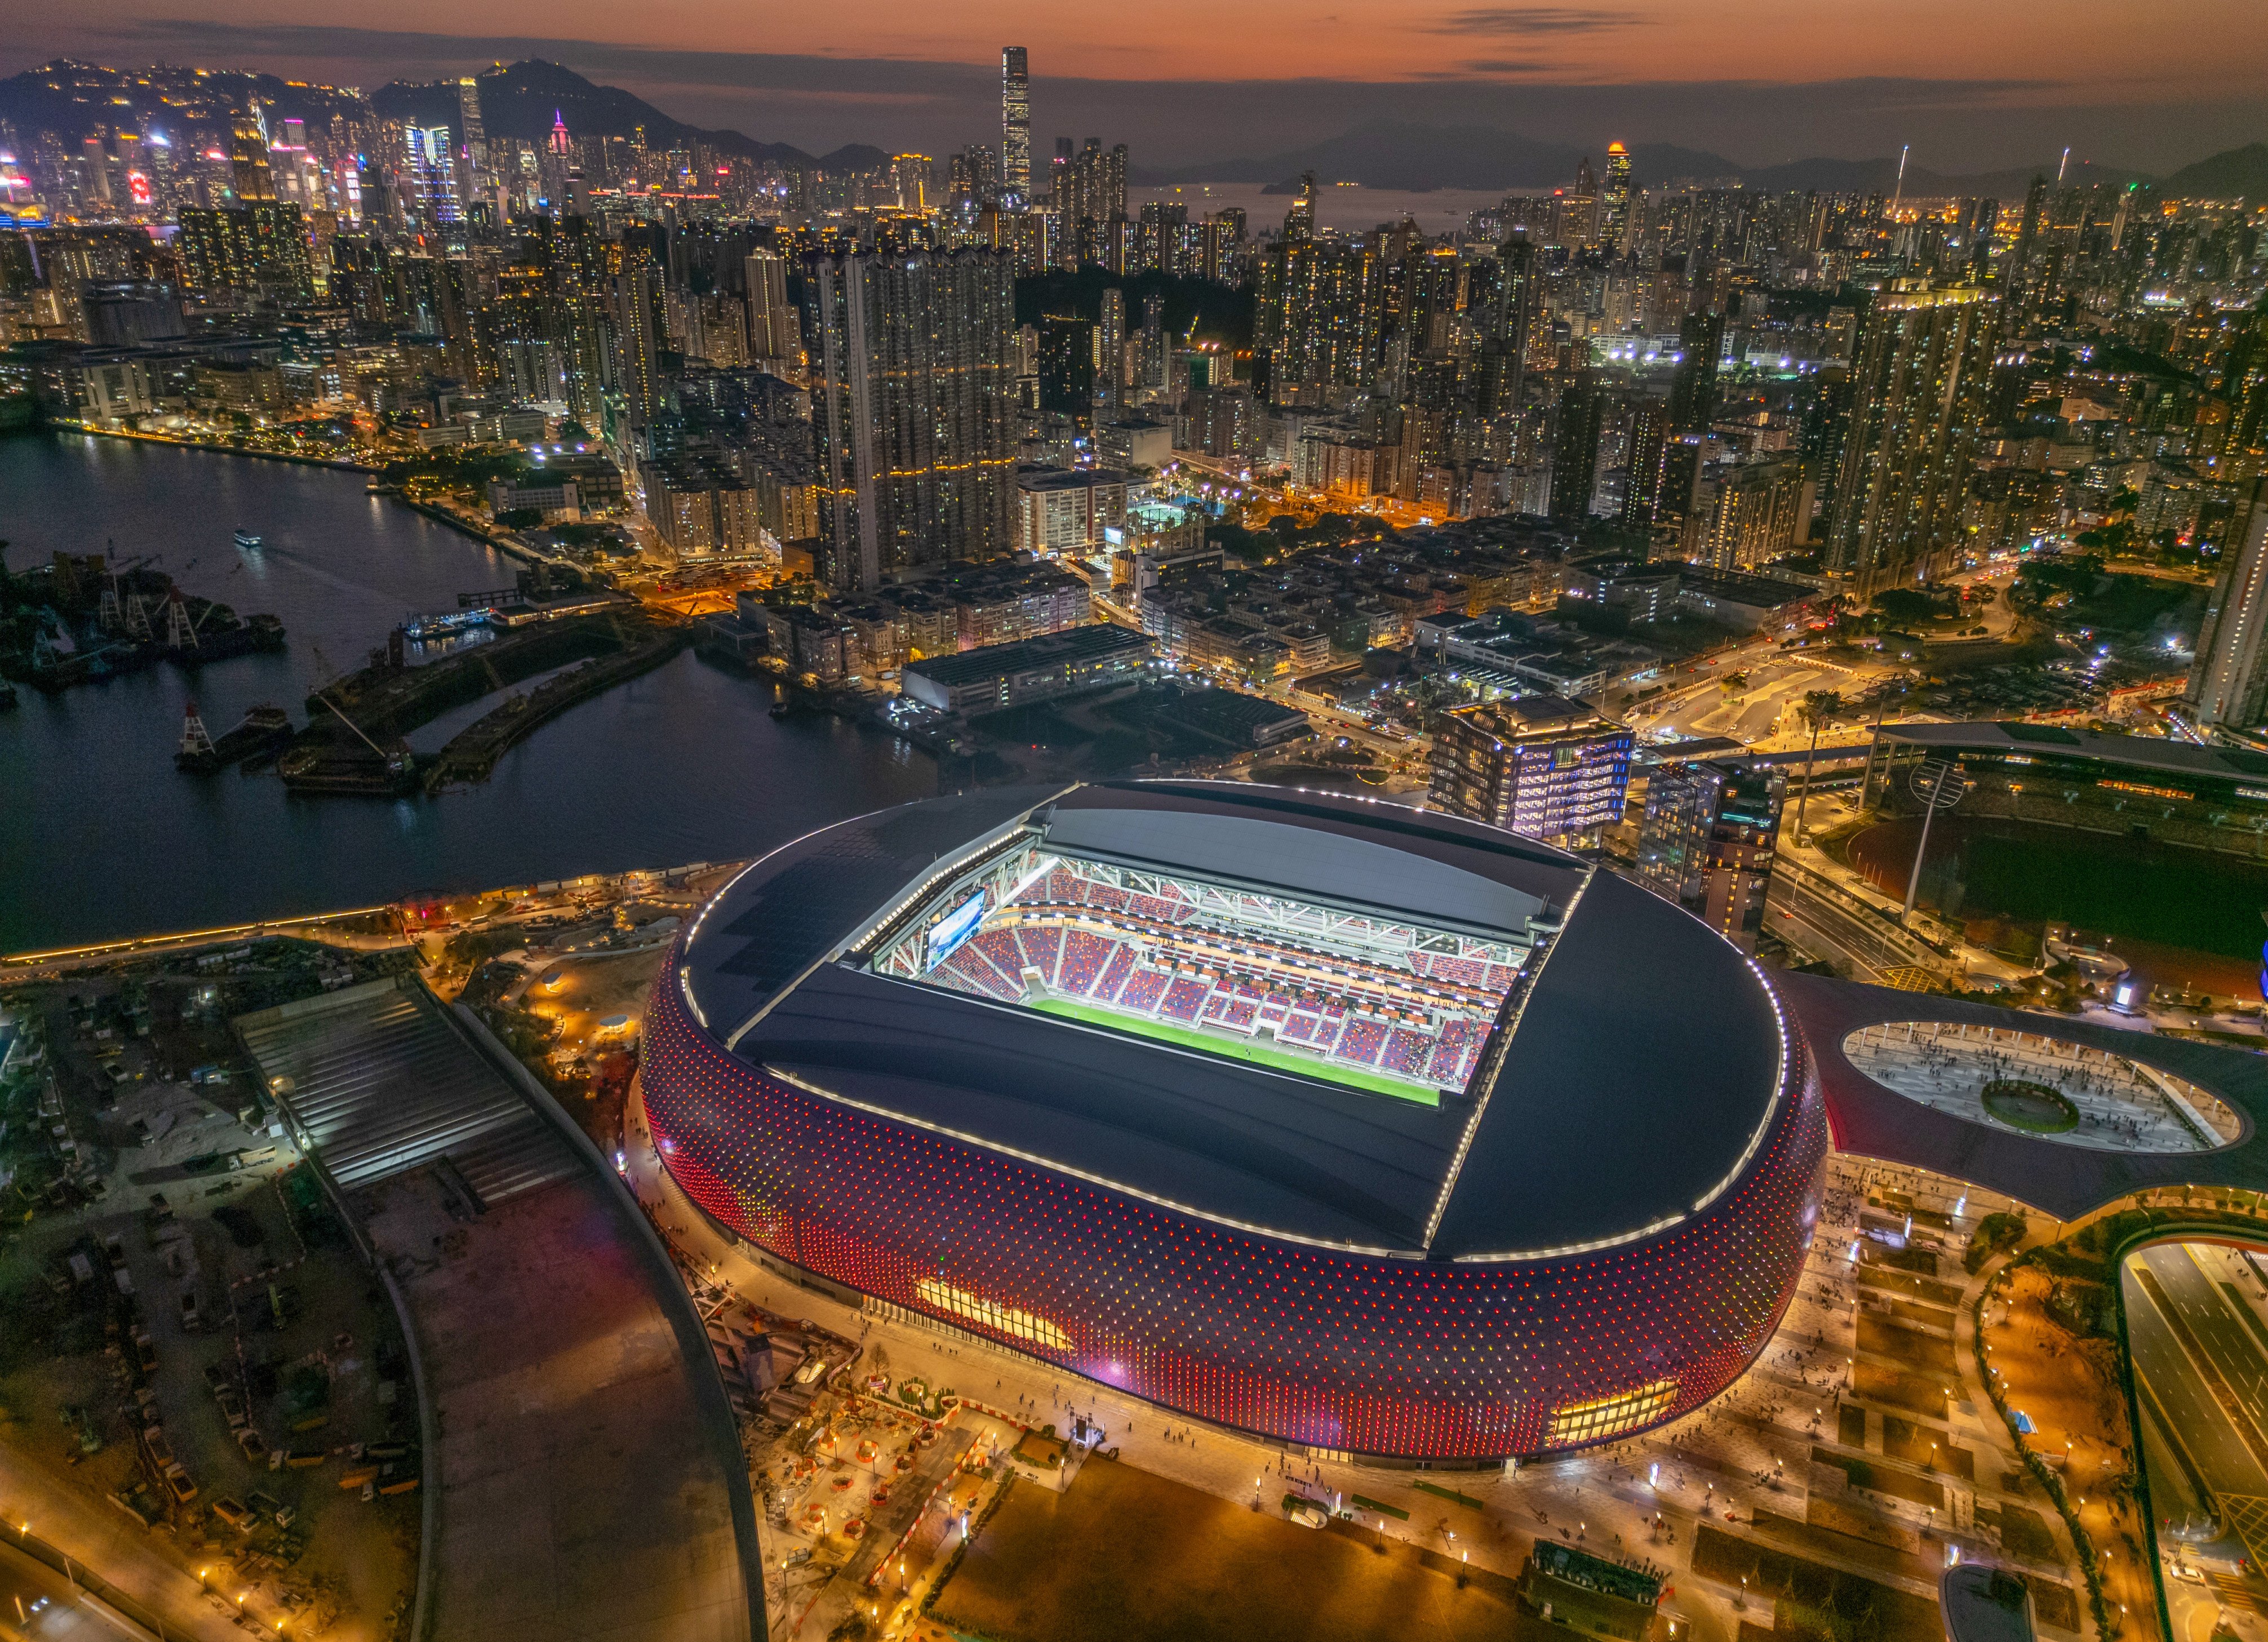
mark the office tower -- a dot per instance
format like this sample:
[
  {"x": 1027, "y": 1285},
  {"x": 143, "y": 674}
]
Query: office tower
[
  {"x": 774, "y": 336},
  {"x": 1300, "y": 221},
  {"x": 432, "y": 176},
  {"x": 557, "y": 160},
  {"x": 1919, "y": 392},
  {"x": 1578, "y": 210},
  {"x": 1614, "y": 200},
  {"x": 248, "y": 159},
  {"x": 2228, "y": 681},
  {"x": 912, "y": 365},
  {"x": 475, "y": 143},
  {"x": 1543, "y": 766},
  {"x": 1693, "y": 385},
  {"x": 1708, "y": 842},
  {"x": 1016, "y": 124},
  {"x": 1575, "y": 449},
  {"x": 1067, "y": 357},
  {"x": 1153, "y": 341}
]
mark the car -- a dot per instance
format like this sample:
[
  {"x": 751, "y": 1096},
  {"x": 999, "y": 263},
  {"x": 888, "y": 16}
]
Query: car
[
  {"x": 179, "y": 1485},
  {"x": 114, "y": 1246},
  {"x": 191, "y": 1320},
  {"x": 234, "y": 1512}
]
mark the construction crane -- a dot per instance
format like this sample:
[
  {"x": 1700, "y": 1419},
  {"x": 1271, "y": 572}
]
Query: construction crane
[{"x": 392, "y": 760}]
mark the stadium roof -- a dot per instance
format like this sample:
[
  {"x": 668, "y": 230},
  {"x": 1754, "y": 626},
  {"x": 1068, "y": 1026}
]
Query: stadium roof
[
  {"x": 1871, "y": 1120},
  {"x": 2143, "y": 752},
  {"x": 1644, "y": 1062}
]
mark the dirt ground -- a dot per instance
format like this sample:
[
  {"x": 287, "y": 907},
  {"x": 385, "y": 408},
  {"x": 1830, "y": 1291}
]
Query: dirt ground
[{"x": 1156, "y": 1559}]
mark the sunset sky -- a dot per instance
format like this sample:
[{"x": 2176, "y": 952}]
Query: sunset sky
[{"x": 1971, "y": 86}]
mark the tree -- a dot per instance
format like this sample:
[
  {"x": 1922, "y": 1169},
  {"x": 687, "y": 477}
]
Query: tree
[
  {"x": 1818, "y": 709},
  {"x": 1904, "y": 605},
  {"x": 519, "y": 519}
]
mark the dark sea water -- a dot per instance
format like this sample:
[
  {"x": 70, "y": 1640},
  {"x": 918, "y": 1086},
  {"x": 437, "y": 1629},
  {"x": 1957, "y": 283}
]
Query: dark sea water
[{"x": 100, "y": 836}]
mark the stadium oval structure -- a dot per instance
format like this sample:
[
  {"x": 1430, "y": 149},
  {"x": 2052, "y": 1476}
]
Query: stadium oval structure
[{"x": 1342, "y": 1124}]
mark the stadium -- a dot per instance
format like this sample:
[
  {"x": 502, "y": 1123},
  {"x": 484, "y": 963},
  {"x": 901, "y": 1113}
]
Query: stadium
[{"x": 1346, "y": 1125}]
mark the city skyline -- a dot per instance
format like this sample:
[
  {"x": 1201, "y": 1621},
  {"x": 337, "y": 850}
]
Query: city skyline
[{"x": 1969, "y": 92}]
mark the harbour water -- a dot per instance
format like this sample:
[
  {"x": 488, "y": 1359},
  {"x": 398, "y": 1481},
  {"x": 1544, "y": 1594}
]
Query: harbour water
[{"x": 101, "y": 837}]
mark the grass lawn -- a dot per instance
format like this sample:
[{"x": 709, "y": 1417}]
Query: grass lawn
[
  {"x": 1232, "y": 1048},
  {"x": 1124, "y": 1556}
]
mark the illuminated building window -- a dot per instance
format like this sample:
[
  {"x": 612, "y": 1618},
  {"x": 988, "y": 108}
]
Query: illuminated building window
[
  {"x": 1000, "y": 1319},
  {"x": 1604, "y": 1416}
]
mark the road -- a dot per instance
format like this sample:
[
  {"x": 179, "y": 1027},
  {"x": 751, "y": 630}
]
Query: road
[
  {"x": 2229, "y": 1344},
  {"x": 37, "y": 1603},
  {"x": 99, "y": 1537},
  {"x": 2214, "y": 1444},
  {"x": 1825, "y": 931}
]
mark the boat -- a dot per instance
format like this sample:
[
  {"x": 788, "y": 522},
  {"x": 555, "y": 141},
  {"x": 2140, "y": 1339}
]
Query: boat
[
  {"x": 264, "y": 729},
  {"x": 248, "y": 542}
]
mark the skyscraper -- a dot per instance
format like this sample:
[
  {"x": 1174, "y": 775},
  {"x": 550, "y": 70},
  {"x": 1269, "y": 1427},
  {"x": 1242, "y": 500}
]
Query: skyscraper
[
  {"x": 1016, "y": 124},
  {"x": 1575, "y": 449},
  {"x": 1067, "y": 359},
  {"x": 1919, "y": 381},
  {"x": 432, "y": 176},
  {"x": 1317, "y": 324},
  {"x": 774, "y": 336},
  {"x": 912, "y": 372},
  {"x": 473, "y": 177},
  {"x": 1614, "y": 200},
  {"x": 249, "y": 175},
  {"x": 2228, "y": 681},
  {"x": 1110, "y": 343},
  {"x": 1693, "y": 385}
]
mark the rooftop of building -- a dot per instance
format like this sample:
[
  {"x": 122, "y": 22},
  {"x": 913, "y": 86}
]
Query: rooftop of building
[
  {"x": 2140, "y": 752},
  {"x": 1087, "y": 642},
  {"x": 1672, "y": 1038},
  {"x": 1526, "y": 717},
  {"x": 1067, "y": 478},
  {"x": 1737, "y": 587}
]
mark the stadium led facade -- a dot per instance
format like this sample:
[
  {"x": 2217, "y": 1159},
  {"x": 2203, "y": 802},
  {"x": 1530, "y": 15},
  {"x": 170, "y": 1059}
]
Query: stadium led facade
[{"x": 1345, "y": 1124}]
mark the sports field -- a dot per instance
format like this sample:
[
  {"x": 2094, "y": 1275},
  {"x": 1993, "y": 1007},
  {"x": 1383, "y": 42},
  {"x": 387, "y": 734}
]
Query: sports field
[{"x": 1230, "y": 1046}]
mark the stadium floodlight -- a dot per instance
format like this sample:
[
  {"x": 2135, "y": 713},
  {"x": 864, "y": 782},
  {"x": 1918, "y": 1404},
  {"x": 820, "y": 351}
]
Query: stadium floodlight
[{"x": 1940, "y": 785}]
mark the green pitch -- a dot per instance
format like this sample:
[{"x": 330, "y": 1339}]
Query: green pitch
[{"x": 1230, "y": 1046}]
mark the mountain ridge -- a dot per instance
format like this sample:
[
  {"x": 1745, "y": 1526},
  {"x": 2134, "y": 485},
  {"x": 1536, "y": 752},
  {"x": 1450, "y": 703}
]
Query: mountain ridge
[{"x": 73, "y": 99}]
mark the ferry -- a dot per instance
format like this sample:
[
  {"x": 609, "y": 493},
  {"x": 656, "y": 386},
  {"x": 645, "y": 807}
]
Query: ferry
[{"x": 247, "y": 541}]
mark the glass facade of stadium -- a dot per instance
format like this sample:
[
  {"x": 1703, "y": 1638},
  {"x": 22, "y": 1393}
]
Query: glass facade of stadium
[{"x": 1399, "y": 1358}]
